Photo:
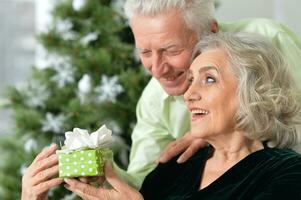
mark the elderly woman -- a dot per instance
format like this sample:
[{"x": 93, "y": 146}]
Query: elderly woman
[{"x": 243, "y": 104}]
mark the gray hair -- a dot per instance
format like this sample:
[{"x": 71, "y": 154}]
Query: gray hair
[
  {"x": 198, "y": 14},
  {"x": 269, "y": 106}
]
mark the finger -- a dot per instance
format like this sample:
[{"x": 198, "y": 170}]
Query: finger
[
  {"x": 112, "y": 178},
  {"x": 43, "y": 164},
  {"x": 80, "y": 193},
  {"x": 84, "y": 190},
  {"x": 187, "y": 154},
  {"x": 168, "y": 148},
  {"x": 84, "y": 180},
  {"x": 45, "y": 186},
  {"x": 192, "y": 149},
  {"x": 93, "y": 179},
  {"x": 45, "y": 175},
  {"x": 45, "y": 153},
  {"x": 174, "y": 150}
]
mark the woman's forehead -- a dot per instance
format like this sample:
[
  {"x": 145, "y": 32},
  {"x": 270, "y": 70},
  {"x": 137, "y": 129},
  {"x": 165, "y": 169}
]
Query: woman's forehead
[{"x": 210, "y": 60}]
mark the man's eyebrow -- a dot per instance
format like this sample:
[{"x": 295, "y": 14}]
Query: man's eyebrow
[
  {"x": 141, "y": 49},
  {"x": 168, "y": 46},
  {"x": 206, "y": 68}
]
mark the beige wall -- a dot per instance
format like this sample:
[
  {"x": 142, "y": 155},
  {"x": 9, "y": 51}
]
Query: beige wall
[{"x": 286, "y": 11}]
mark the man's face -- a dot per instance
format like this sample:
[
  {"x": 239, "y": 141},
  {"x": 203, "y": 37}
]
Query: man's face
[{"x": 165, "y": 45}]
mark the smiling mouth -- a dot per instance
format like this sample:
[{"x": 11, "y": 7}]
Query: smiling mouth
[
  {"x": 197, "y": 113},
  {"x": 173, "y": 77}
]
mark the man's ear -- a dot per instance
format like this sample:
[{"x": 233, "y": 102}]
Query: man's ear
[{"x": 214, "y": 26}]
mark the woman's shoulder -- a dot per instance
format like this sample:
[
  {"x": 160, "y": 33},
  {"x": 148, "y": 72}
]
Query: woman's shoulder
[
  {"x": 283, "y": 175},
  {"x": 279, "y": 166},
  {"x": 283, "y": 154}
]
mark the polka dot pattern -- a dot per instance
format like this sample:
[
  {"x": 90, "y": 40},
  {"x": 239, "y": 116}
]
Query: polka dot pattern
[{"x": 82, "y": 163}]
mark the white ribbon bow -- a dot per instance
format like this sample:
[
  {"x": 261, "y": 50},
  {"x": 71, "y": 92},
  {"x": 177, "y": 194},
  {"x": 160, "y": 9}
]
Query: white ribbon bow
[{"x": 80, "y": 138}]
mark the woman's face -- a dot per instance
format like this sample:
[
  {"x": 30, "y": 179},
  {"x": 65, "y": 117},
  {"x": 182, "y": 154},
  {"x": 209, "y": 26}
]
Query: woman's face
[{"x": 211, "y": 97}]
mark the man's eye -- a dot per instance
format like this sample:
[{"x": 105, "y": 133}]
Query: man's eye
[
  {"x": 145, "y": 53},
  {"x": 173, "y": 52}
]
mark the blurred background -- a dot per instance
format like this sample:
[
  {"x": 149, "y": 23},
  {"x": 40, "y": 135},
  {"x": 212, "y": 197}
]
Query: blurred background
[
  {"x": 20, "y": 19},
  {"x": 67, "y": 68}
]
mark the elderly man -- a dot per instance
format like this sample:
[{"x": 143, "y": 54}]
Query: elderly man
[{"x": 166, "y": 32}]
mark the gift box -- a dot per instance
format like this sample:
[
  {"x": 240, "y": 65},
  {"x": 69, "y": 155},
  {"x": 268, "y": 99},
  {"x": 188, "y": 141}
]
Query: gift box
[
  {"x": 84, "y": 154},
  {"x": 89, "y": 162}
]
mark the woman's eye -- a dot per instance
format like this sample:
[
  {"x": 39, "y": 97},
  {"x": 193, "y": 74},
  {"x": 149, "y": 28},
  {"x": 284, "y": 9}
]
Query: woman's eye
[
  {"x": 210, "y": 80},
  {"x": 190, "y": 80}
]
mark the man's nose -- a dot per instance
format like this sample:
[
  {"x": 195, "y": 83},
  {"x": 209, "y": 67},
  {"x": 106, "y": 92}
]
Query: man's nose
[{"x": 158, "y": 66}]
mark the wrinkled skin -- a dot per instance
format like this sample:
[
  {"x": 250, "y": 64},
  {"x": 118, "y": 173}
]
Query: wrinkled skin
[{"x": 39, "y": 176}]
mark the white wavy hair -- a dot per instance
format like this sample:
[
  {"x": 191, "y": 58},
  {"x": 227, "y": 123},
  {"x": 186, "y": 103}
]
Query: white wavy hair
[
  {"x": 198, "y": 14},
  {"x": 269, "y": 101}
]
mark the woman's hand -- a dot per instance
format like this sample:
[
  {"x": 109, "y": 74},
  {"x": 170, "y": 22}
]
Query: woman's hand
[
  {"x": 120, "y": 190},
  {"x": 38, "y": 178}
]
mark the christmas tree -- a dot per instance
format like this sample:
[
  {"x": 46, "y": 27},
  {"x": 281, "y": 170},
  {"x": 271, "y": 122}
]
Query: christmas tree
[{"x": 90, "y": 77}]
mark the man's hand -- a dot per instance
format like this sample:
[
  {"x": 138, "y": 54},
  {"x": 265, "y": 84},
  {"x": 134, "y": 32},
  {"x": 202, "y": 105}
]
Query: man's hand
[
  {"x": 187, "y": 145},
  {"x": 119, "y": 191}
]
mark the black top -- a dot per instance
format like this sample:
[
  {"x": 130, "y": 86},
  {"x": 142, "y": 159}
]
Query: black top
[{"x": 267, "y": 174}]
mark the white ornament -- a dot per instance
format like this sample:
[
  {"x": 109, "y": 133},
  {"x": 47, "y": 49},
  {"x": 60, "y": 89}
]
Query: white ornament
[
  {"x": 109, "y": 89},
  {"x": 90, "y": 37},
  {"x": 63, "y": 26},
  {"x": 23, "y": 169},
  {"x": 69, "y": 35},
  {"x": 35, "y": 94},
  {"x": 78, "y": 4},
  {"x": 30, "y": 145},
  {"x": 53, "y": 123},
  {"x": 84, "y": 84},
  {"x": 65, "y": 74},
  {"x": 84, "y": 88}
]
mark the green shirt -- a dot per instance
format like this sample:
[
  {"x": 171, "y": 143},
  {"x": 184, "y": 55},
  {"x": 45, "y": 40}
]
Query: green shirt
[{"x": 162, "y": 118}]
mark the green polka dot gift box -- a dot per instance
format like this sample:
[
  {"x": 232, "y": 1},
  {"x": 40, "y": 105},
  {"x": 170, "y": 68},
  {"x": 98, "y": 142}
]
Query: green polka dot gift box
[
  {"x": 88, "y": 162},
  {"x": 84, "y": 154}
]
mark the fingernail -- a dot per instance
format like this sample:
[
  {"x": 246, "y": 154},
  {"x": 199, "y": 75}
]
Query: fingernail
[
  {"x": 180, "y": 160},
  {"x": 66, "y": 180}
]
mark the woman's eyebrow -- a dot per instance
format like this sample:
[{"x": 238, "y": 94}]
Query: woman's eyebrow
[{"x": 206, "y": 68}]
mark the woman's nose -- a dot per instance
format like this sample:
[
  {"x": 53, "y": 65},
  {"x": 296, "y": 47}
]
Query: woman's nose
[{"x": 192, "y": 94}]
